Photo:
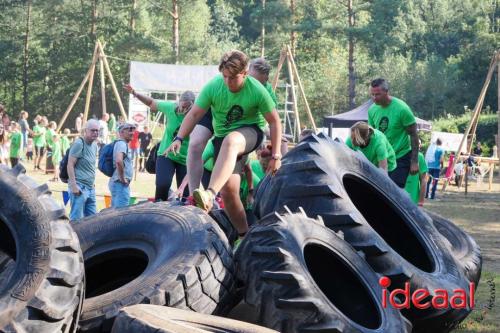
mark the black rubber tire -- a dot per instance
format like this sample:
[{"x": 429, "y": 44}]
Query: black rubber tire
[
  {"x": 462, "y": 246},
  {"x": 41, "y": 264},
  {"x": 155, "y": 319},
  {"x": 153, "y": 253},
  {"x": 302, "y": 277},
  {"x": 327, "y": 178},
  {"x": 220, "y": 216}
]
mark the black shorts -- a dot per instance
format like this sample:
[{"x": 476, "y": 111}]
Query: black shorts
[
  {"x": 39, "y": 151},
  {"x": 400, "y": 174},
  {"x": 206, "y": 121},
  {"x": 253, "y": 138}
]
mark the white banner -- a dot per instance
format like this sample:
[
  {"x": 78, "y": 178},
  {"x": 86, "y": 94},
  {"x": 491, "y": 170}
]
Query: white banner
[{"x": 450, "y": 141}]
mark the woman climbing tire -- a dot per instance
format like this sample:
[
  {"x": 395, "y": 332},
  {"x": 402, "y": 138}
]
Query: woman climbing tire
[
  {"x": 399, "y": 241},
  {"x": 462, "y": 246},
  {"x": 153, "y": 253},
  {"x": 301, "y": 277},
  {"x": 41, "y": 265}
]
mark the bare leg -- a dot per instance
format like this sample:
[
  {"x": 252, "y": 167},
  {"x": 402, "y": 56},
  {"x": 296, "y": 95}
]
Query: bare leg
[
  {"x": 233, "y": 205},
  {"x": 197, "y": 142},
  {"x": 232, "y": 146}
]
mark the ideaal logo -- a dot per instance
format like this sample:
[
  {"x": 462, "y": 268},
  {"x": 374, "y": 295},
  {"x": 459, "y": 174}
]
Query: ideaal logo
[{"x": 401, "y": 298}]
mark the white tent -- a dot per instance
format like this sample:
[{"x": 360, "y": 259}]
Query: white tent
[{"x": 169, "y": 80}]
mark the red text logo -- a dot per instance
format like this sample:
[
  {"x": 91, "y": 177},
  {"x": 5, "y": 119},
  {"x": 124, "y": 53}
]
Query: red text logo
[{"x": 401, "y": 298}]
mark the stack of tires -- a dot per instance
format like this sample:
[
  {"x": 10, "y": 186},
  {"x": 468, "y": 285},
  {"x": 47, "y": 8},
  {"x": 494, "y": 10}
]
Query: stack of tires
[
  {"x": 323, "y": 274},
  {"x": 41, "y": 264},
  {"x": 334, "y": 238}
]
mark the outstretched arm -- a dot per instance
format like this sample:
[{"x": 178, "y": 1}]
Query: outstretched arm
[{"x": 148, "y": 101}]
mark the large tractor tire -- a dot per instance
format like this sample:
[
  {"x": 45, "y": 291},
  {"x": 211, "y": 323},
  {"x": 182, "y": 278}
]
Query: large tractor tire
[
  {"x": 462, "y": 246},
  {"x": 302, "y": 277},
  {"x": 155, "y": 319},
  {"x": 41, "y": 265},
  {"x": 399, "y": 240},
  {"x": 157, "y": 254}
]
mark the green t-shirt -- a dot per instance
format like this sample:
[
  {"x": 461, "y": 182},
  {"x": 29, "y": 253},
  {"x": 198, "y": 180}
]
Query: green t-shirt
[
  {"x": 56, "y": 152},
  {"x": 234, "y": 110},
  {"x": 257, "y": 170},
  {"x": 64, "y": 144},
  {"x": 85, "y": 166},
  {"x": 15, "y": 144},
  {"x": 39, "y": 136},
  {"x": 377, "y": 150},
  {"x": 174, "y": 121},
  {"x": 392, "y": 120},
  {"x": 269, "y": 89},
  {"x": 413, "y": 181},
  {"x": 49, "y": 134},
  {"x": 112, "y": 124},
  {"x": 208, "y": 156}
]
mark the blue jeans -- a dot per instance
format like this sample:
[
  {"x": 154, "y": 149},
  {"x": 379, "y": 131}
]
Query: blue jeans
[
  {"x": 120, "y": 194},
  {"x": 434, "y": 173},
  {"x": 83, "y": 204}
]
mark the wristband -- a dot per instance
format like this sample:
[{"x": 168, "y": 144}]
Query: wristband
[{"x": 178, "y": 138}]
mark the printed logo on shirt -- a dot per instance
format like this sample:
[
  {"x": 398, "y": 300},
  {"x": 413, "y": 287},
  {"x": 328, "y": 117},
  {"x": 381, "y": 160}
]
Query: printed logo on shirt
[
  {"x": 234, "y": 114},
  {"x": 383, "y": 124}
]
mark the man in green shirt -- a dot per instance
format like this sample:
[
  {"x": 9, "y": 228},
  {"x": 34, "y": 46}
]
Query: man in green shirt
[
  {"x": 16, "y": 139},
  {"x": 39, "y": 141},
  {"x": 240, "y": 106},
  {"x": 168, "y": 163},
  {"x": 373, "y": 144},
  {"x": 394, "y": 118},
  {"x": 260, "y": 69}
]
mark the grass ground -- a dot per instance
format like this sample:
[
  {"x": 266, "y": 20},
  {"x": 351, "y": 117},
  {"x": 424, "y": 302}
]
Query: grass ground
[{"x": 478, "y": 213}]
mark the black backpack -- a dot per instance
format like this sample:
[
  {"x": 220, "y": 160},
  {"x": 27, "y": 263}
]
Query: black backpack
[
  {"x": 151, "y": 161},
  {"x": 63, "y": 165}
]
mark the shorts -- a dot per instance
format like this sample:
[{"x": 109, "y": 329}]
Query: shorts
[
  {"x": 253, "y": 138},
  {"x": 400, "y": 173},
  {"x": 39, "y": 151},
  {"x": 206, "y": 121}
]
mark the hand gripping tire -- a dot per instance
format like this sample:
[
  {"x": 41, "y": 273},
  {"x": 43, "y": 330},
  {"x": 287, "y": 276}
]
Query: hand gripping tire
[
  {"x": 399, "y": 241},
  {"x": 302, "y": 277},
  {"x": 462, "y": 246},
  {"x": 158, "y": 319},
  {"x": 41, "y": 265},
  {"x": 153, "y": 253}
]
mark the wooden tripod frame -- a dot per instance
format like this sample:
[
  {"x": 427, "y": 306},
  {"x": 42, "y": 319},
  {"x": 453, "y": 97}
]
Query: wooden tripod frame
[
  {"x": 293, "y": 74},
  {"x": 100, "y": 56},
  {"x": 470, "y": 132}
]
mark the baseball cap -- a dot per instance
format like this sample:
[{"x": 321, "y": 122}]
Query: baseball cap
[{"x": 126, "y": 126}]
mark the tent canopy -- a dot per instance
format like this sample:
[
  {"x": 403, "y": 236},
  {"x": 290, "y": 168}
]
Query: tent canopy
[
  {"x": 349, "y": 118},
  {"x": 145, "y": 76}
]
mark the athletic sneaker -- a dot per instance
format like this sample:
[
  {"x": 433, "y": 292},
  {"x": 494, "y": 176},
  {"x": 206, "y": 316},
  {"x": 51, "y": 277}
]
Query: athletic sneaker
[
  {"x": 204, "y": 199},
  {"x": 237, "y": 244}
]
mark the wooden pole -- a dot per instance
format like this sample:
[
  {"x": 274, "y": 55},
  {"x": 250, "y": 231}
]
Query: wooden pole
[
  {"x": 476, "y": 112},
  {"x": 498, "y": 109},
  {"x": 77, "y": 94},
  {"x": 301, "y": 89},
  {"x": 112, "y": 81},
  {"x": 294, "y": 97},
  {"x": 89, "y": 88},
  {"x": 103, "y": 85},
  {"x": 278, "y": 69}
]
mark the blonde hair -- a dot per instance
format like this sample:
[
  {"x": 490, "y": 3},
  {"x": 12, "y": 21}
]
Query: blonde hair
[
  {"x": 361, "y": 133},
  {"x": 234, "y": 61}
]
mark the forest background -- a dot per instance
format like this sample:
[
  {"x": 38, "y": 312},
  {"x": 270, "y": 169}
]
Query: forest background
[{"x": 435, "y": 53}]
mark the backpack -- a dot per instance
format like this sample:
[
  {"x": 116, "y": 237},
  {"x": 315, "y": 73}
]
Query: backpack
[
  {"x": 151, "y": 161},
  {"x": 106, "y": 165},
  {"x": 63, "y": 165}
]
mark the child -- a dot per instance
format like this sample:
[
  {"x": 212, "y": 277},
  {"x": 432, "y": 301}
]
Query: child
[
  {"x": 56, "y": 155},
  {"x": 16, "y": 140},
  {"x": 29, "y": 150},
  {"x": 65, "y": 143}
]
